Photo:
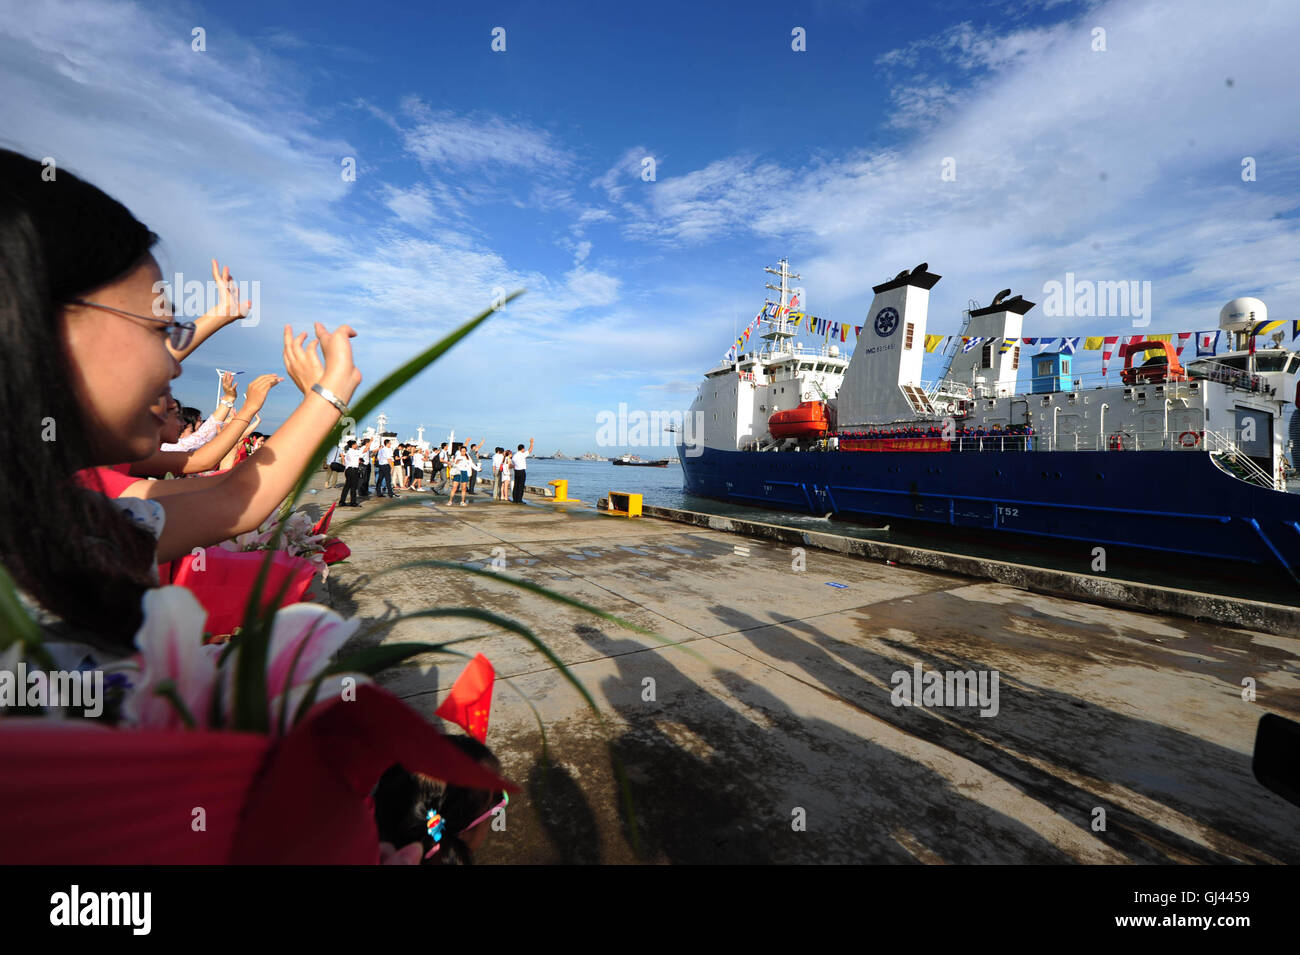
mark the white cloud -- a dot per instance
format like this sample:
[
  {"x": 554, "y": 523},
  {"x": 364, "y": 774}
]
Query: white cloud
[
  {"x": 591, "y": 288},
  {"x": 446, "y": 139},
  {"x": 413, "y": 206}
]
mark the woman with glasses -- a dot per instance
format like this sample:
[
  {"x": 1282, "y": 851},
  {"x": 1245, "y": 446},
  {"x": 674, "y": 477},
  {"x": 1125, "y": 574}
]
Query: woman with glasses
[{"x": 84, "y": 360}]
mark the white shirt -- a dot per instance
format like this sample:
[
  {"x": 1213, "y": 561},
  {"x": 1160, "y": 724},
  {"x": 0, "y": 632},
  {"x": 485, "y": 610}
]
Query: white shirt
[
  {"x": 384, "y": 456},
  {"x": 197, "y": 438},
  {"x": 519, "y": 460},
  {"x": 352, "y": 458},
  {"x": 496, "y": 461}
]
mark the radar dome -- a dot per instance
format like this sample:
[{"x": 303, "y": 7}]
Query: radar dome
[
  {"x": 835, "y": 351},
  {"x": 1241, "y": 313}
]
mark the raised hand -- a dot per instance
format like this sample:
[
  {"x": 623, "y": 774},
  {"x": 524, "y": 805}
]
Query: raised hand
[
  {"x": 341, "y": 374},
  {"x": 302, "y": 362},
  {"x": 228, "y": 306},
  {"x": 255, "y": 396},
  {"x": 228, "y": 389}
]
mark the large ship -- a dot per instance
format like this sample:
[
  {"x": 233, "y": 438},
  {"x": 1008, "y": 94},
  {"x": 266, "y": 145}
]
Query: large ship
[{"x": 1188, "y": 458}]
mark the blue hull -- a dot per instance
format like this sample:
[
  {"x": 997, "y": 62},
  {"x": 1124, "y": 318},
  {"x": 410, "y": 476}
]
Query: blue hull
[{"x": 1161, "y": 500}]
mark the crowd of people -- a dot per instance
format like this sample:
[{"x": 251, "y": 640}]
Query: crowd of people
[
  {"x": 117, "y": 478},
  {"x": 376, "y": 462},
  {"x": 1016, "y": 437},
  {"x": 91, "y": 348}
]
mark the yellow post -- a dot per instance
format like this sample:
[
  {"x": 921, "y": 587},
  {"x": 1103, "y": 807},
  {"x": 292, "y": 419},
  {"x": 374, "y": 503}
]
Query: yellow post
[{"x": 562, "y": 492}]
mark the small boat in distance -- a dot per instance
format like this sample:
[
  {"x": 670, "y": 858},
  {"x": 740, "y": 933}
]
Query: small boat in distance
[{"x": 631, "y": 460}]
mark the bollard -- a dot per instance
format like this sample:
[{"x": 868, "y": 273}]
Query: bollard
[{"x": 624, "y": 504}]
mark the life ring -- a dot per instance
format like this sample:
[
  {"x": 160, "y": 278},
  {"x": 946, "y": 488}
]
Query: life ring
[
  {"x": 1194, "y": 435},
  {"x": 952, "y": 407}
]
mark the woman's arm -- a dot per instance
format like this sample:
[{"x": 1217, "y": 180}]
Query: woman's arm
[
  {"x": 226, "y": 406},
  {"x": 228, "y": 309},
  {"x": 232, "y": 458},
  {"x": 249, "y": 493},
  {"x": 210, "y": 455}
]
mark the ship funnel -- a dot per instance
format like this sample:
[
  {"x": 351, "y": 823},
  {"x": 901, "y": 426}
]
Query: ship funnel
[
  {"x": 1242, "y": 313},
  {"x": 882, "y": 382},
  {"x": 996, "y": 360}
]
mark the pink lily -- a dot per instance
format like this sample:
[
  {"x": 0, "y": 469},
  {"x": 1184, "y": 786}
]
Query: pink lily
[{"x": 171, "y": 649}]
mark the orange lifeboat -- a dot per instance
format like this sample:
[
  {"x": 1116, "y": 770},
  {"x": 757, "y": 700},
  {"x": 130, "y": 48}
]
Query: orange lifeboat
[{"x": 806, "y": 421}]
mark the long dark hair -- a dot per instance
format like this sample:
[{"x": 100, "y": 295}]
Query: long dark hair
[
  {"x": 71, "y": 549},
  {"x": 403, "y": 800}
]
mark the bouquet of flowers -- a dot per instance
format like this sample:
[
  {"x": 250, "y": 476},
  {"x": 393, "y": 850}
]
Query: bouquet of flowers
[{"x": 297, "y": 537}]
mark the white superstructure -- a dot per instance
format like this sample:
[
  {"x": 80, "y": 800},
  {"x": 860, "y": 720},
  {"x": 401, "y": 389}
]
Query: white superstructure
[{"x": 1231, "y": 406}]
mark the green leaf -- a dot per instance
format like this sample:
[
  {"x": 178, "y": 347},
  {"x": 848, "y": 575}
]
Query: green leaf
[
  {"x": 167, "y": 690},
  {"x": 16, "y": 626}
]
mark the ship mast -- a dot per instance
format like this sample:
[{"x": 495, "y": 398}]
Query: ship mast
[{"x": 780, "y": 328}]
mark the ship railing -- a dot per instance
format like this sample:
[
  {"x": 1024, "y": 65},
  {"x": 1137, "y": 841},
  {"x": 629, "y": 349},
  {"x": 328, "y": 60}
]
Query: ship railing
[
  {"x": 946, "y": 389},
  {"x": 1217, "y": 371},
  {"x": 1229, "y": 446},
  {"x": 1219, "y": 442}
]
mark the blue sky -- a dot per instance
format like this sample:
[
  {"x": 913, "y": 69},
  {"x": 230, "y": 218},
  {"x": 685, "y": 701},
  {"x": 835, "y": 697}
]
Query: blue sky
[{"x": 479, "y": 169}]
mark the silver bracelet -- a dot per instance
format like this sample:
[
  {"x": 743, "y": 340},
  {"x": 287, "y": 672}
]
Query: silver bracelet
[{"x": 330, "y": 397}]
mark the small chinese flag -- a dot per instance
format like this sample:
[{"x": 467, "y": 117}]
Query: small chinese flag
[
  {"x": 470, "y": 699},
  {"x": 324, "y": 523}
]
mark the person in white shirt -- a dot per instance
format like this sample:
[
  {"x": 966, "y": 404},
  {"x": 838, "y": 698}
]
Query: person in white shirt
[
  {"x": 418, "y": 463},
  {"x": 442, "y": 460},
  {"x": 197, "y": 436},
  {"x": 384, "y": 464},
  {"x": 497, "y": 457},
  {"x": 332, "y": 475},
  {"x": 519, "y": 461},
  {"x": 462, "y": 467},
  {"x": 352, "y": 462}
]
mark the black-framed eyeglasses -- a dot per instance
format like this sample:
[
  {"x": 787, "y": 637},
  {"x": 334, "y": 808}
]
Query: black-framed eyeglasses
[{"x": 180, "y": 334}]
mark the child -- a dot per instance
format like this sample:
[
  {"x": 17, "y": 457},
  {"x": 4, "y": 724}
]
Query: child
[{"x": 449, "y": 822}]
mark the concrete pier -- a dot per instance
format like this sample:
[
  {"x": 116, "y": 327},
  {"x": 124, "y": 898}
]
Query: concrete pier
[{"x": 769, "y": 732}]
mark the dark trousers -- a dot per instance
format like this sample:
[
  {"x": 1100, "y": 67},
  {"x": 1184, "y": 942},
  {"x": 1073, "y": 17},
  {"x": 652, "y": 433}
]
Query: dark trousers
[
  {"x": 350, "y": 477},
  {"x": 384, "y": 480},
  {"x": 363, "y": 482},
  {"x": 518, "y": 496},
  {"x": 473, "y": 479}
]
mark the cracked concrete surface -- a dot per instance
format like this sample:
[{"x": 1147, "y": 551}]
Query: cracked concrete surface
[{"x": 774, "y": 703}]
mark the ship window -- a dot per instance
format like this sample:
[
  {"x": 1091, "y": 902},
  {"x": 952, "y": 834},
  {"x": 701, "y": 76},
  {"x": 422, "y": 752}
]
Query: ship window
[
  {"x": 911, "y": 328},
  {"x": 1015, "y": 358},
  {"x": 986, "y": 356}
]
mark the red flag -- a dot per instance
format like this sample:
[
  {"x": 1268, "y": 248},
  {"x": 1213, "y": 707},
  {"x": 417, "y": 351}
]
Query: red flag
[
  {"x": 1108, "y": 349},
  {"x": 324, "y": 523},
  {"x": 470, "y": 700}
]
